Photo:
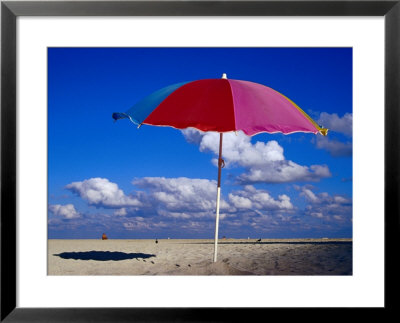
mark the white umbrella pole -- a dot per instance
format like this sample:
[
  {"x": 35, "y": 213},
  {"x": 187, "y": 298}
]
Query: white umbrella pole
[{"x": 220, "y": 161}]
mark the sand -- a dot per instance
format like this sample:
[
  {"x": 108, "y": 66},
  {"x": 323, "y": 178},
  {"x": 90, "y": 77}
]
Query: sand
[{"x": 194, "y": 257}]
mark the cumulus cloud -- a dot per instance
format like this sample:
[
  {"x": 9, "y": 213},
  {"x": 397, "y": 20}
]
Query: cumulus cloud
[
  {"x": 192, "y": 135},
  {"x": 102, "y": 192},
  {"x": 336, "y": 148},
  {"x": 257, "y": 209},
  {"x": 236, "y": 148},
  {"x": 190, "y": 203},
  {"x": 265, "y": 162},
  {"x": 326, "y": 206},
  {"x": 121, "y": 212},
  {"x": 339, "y": 125},
  {"x": 309, "y": 195},
  {"x": 251, "y": 198},
  {"x": 137, "y": 224},
  {"x": 335, "y": 123},
  {"x": 67, "y": 211},
  {"x": 157, "y": 202},
  {"x": 323, "y": 197},
  {"x": 285, "y": 172},
  {"x": 175, "y": 196}
]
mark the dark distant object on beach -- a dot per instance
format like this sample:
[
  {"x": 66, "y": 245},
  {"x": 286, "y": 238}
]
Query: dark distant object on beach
[
  {"x": 224, "y": 237},
  {"x": 259, "y": 240},
  {"x": 156, "y": 241},
  {"x": 104, "y": 237}
]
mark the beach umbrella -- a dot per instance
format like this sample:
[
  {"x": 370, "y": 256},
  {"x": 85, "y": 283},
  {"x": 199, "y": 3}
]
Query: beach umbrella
[{"x": 221, "y": 105}]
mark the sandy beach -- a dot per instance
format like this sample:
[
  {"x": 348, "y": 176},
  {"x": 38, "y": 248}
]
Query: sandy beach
[{"x": 194, "y": 257}]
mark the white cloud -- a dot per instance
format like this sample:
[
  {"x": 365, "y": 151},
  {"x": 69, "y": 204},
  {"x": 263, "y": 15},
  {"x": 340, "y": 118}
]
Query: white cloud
[
  {"x": 67, "y": 211},
  {"x": 135, "y": 225},
  {"x": 251, "y": 198},
  {"x": 102, "y": 192},
  {"x": 323, "y": 197},
  {"x": 265, "y": 162},
  {"x": 240, "y": 202},
  {"x": 335, "y": 123},
  {"x": 194, "y": 226},
  {"x": 310, "y": 196},
  {"x": 338, "y": 217},
  {"x": 179, "y": 195},
  {"x": 341, "y": 199},
  {"x": 192, "y": 135},
  {"x": 121, "y": 212},
  {"x": 140, "y": 224},
  {"x": 342, "y": 125},
  {"x": 284, "y": 172},
  {"x": 317, "y": 215},
  {"x": 238, "y": 149},
  {"x": 336, "y": 148},
  {"x": 190, "y": 203},
  {"x": 326, "y": 206}
]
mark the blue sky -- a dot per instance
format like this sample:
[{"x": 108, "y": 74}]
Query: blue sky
[{"x": 160, "y": 182}]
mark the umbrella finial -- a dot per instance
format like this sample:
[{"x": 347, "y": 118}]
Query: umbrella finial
[{"x": 224, "y": 76}]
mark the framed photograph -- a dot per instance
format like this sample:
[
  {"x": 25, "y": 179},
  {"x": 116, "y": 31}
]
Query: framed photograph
[{"x": 115, "y": 221}]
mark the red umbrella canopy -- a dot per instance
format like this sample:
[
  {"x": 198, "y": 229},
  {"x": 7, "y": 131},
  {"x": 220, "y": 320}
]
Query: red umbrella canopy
[{"x": 222, "y": 105}]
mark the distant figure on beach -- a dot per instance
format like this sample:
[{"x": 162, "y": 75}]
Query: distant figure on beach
[
  {"x": 259, "y": 240},
  {"x": 156, "y": 240},
  {"x": 104, "y": 237}
]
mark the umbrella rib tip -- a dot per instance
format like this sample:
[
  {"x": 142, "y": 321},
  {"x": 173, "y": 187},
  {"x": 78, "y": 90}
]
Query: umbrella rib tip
[{"x": 324, "y": 131}]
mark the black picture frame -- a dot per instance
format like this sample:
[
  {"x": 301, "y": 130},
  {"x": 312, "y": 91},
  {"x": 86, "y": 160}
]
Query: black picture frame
[{"x": 10, "y": 10}]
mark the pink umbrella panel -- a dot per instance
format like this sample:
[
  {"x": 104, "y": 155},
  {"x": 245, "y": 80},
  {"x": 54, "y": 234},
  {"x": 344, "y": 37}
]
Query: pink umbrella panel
[{"x": 222, "y": 105}]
